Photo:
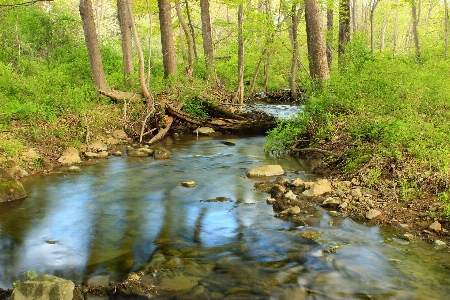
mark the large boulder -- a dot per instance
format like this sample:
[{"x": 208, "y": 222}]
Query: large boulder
[
  {"x": 44, "y": 287},
  {"x": 318, "y": 188},
  {"x": 10, "y": 188},
  {"x": 70, "y": 156},
  {"x": 267, "y": 170}
]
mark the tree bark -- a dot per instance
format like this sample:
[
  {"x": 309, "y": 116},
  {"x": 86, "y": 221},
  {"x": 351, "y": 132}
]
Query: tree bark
[
  {"x": 189, "y": 39},
  {"x": 415, "y": 21},
  {"x": 191, "y": 27},
  {"x": 167, "y": 44},
  {"x": 330, "y": 19},
  {"x": 207, "y": 42},
  {"x": 374, "y": 5},
  {"x": 344, "y": 31},
  {"x": 127, "y": 47},
  {"x": 395, "y": 36},
  {"x": 318, "y": 65},
  {"x": 296, "y": 12},
  {"x": 240, "y": 89},
  {"x": 446, "y": 28},
  {"x": 95, "y": 58}
]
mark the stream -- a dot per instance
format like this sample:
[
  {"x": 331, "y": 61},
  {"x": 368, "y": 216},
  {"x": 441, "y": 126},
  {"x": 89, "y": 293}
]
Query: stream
[{"x": 127, "y": 213}]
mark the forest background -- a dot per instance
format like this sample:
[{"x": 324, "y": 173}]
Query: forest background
[{"x": 382, "y": 104}]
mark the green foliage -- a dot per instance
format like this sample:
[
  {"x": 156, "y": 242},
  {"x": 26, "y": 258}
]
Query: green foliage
[
  {"x": 279, "y": 139},
  {"x": 11, "y": 148},
  {"x": 195, "y": 107},
  {"x": 28, "y": 275}
]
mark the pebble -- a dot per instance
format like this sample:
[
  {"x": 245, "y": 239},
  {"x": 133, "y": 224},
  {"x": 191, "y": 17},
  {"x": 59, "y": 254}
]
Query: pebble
[{"x": 438, "y": 244}]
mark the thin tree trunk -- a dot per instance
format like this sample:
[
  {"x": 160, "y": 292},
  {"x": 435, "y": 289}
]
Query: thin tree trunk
[
  {"x": 395, "y": 37},
  {"x": 344, "y": 31},
  {"x": 145, "y": 91},
  {"x": 191, "y": 27},
  {"x": 354, "y": 13},
  {"x": 446, "y": 28},
  {"x": 207, "y": 42},
  {"x": 296, "y": 13},
  {"x": 189, "y": 39},
  {"x": 330, "y": 17},
  {"x": 266, "y": 72},
  {"x": 95, "y": 58},
  {"x": 316, "y": 42},
  {"x": 149, "y": 58},
  {"x": 255, "y": 75},
  {"x": 99, "y": 15},
  {"x": 383, "y": 31},
  {"x": 240, "y": 89},
  {"x": 415, "y": 21},
  {"x": 374, "y": 5},
  {"x": 167, "y": 44},
  {"x": 127, "y": 47}
]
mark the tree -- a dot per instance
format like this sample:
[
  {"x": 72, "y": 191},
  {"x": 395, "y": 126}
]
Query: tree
[
  {"x": 127, "y": 47},
  {"x": 207, "y": 41},
  {"x": 446, "y": 28},
  {"x": 344, "y": 30},
  {"x": 414, "y": 23},
  {"x": 296, "y": 12},
  {"x": 373, "y": 5},
  {"x": 318, "y": 65},
  {"x": 189, "y": 38},
  {"x": 330, "y": 20},
  {"x": 240, "y": 89},
  {"x": 95, "y": 58},
  {"x": 167, "y": 44}
]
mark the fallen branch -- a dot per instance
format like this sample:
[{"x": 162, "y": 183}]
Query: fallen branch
[
  {"x": 144, "y": 122},
  {"x": 162, "y": 133},
  {"x": 119, "y": 96}
]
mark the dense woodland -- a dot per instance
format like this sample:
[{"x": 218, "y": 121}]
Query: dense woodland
[{"x": 373, "y": 75}]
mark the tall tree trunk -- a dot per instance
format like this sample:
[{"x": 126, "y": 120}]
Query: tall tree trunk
[
  {"x": 167, "y": 44},
  {"x": 207, "y": 41},
  {"x": 415, "y": 21},
  {"x": 446, "y": 28},
  {"x": 266, "y": 72},
  {"x": 383, "y": 31},
  {"x": 354, "y": 12},
  {"x": 395, "y": 37},
  {"x": 344, "y": 30},
  {"x": 329, "y": 36},
  {"x": 296, "y": 12},
  {"x": 99, "y": 15},
  {"x": 240, "y": 89},
  {"x": 145, "y": 91},
  {"x": 189, "y": 39},
  {"x": 318, "y": 65},
  {"x": 127, "y": 47},
  {"x": 95, "y": 58},
  {"x": 374, "y": 4},
  {"x": 191, "y": 27}
]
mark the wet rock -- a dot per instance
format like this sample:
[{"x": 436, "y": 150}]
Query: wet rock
[
  {"x": 295, "y": 210},
  {"x": 372, "y": 213},
  {"x": 438, "y": 244},
  {"x": 271, "y": 201},
  {"x": 188, "y": 184},
  {"x": 44, "y": 287},
  {"x": 436, "y": 226},
  {"x": 318, "y": 188},
  {"x": 298, "y": 182},
  {"x": 139, "y": 152},
  {"x": 179, "y": 282},
  {"x": 332, "y": 202},
  {"x": 206, "y": 131},
  {"x": 98, "y": 146},
  {"x": 10, "y": 188},
  {"x": 70, "y": 156},
  {"x": 74, "y": 169},
  {"x": 18, "y": 172},
  {"x": 162, "y": 153},
  {"x": 311, "y": 235},
  {"x": 91, "y": 155},
  {"x": 100, "y": 280},
  {"x": 229, "y": 142},
  {"x": 290, "y": 196},
  {"x": 277, "y": 191},
  {"x": 407, "y": 237},
  {"x": 267, "y": 170},
  {"x": 117, "y": 153}
]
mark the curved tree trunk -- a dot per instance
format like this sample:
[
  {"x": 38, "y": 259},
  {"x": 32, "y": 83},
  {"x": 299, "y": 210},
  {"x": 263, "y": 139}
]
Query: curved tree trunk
[
  {"x": 189, "y": 38},
  {"x": 318, "y": 64},
  {"x": 95, "y": 58},
  {"x": 207, "y": 41},
  {"x": 167, "y": 44},
  {"x": 127, "y": 47}
]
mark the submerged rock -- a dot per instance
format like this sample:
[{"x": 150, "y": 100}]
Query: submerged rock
[
  {"x": 229, "y": 142},
  {"x": 162, "y": 153},
  {"x": 267, "y": 170},
  {"x": 44, "y": 287},
  {"x": 10, "y": 188},
  {"x": 188, "y": 184}
]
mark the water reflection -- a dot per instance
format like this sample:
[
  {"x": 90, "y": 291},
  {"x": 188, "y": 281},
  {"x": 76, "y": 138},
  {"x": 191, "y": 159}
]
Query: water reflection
[{"x": 113, "y": 217}]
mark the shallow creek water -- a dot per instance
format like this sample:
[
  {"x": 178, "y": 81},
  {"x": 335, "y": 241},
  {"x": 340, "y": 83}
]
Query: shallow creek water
[{"x": 125, "y": 213}]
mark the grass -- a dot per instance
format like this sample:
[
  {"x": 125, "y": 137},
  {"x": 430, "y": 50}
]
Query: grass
[{"x": 394, "y": 109}]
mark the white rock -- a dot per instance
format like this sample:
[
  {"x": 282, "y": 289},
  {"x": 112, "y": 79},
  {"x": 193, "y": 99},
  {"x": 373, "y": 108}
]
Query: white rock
[
  {"x": 318, "y": 188},
  {"x": 264, "y": 171},
  {"x": 373, "y": 213}
]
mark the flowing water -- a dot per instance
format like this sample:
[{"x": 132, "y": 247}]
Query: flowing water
[{"x": 127, "y": 213}]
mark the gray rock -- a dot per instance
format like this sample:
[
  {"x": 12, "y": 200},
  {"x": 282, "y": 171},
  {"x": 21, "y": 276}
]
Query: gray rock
[
  {"x": 70, "y": 156},
  {"x": 372, "y": 213},
  {"x": 162, "y": 153},
  {"x": 10, "y": 188},
  {"x": 265, "y": 171},
  {"x": 44, "y": 287}
]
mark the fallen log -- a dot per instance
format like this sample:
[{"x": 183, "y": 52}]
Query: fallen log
[
  {"x": 162, "y": 132},
  {"x": 121, "y": 96}
]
